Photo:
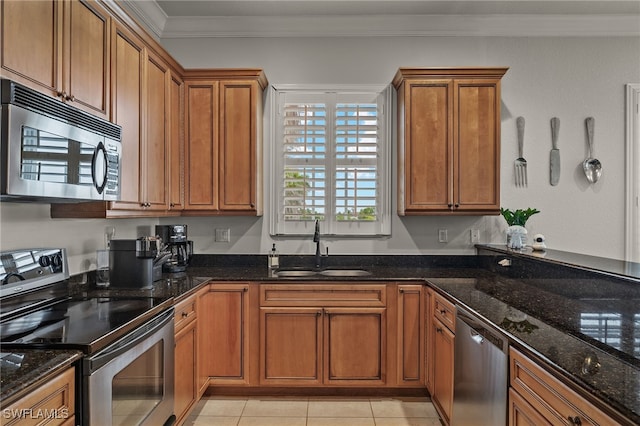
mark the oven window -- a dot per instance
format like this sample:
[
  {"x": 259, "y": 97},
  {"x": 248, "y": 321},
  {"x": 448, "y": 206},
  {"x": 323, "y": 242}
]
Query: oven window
[
  {"x": 138, "y": 388},
  {"x": 51, "y": 158}
]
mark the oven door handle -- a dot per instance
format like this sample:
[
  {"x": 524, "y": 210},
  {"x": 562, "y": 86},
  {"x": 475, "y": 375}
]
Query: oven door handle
[{"x": 114, "y": 350}]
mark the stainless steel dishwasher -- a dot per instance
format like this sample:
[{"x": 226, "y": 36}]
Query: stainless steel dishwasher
[{"x": 480, "y": 373}]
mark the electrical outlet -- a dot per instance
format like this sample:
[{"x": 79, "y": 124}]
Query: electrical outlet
[
  {"x": 223, "y": 235},
  {"x": 475, "y": 235},
  {"x": 442, "y": 235}
]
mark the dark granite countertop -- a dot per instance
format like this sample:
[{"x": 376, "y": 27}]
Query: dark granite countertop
[
  {"x": 21, "y": 370},
  {"x": 559, "y": 314},
  {"x": 549, "y": 326},
  {"x": 171, "y": 286},
  {"x": 542, "y": 305},
  {"x": 601, "y": 265}
]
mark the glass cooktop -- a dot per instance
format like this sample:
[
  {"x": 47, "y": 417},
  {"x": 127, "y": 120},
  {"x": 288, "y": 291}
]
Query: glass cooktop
[{"x": 87, "y": 324}]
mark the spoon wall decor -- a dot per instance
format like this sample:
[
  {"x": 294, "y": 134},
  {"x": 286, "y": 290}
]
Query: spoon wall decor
[{"x": 592, "y": 167}]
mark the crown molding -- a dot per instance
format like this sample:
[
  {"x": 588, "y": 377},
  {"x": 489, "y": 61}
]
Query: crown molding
[
  {"x": 147, "y": 13},
  {"x": 403, "y": 25}
]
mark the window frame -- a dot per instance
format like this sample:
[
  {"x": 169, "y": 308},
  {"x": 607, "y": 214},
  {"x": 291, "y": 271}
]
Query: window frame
[{"x": 329, "y": 227}]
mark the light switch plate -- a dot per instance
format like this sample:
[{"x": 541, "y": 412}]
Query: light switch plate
[
  {"x": 223, "y": 235},
  {"x": 475, "y": 236},
  {"x": 443, "y": 235}
]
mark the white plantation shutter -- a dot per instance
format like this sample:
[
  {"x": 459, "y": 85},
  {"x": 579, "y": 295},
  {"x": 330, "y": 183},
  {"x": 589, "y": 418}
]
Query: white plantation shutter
[
  {"x": 304, "y": 150},
  {"x": 331, "y": 160},
  {"x": 356, "y": 153}
]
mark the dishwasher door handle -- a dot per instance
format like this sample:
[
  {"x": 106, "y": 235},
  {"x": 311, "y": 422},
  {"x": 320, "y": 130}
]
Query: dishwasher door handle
[
  {"x": 476, "y": 337},
  {"x": 479, "y": 333}
]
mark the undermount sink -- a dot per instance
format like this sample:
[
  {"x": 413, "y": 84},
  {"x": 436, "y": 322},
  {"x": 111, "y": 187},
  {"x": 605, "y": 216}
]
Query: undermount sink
[
  {"x": 345, "y": 273},
  {"x": 297, "y": 273}
]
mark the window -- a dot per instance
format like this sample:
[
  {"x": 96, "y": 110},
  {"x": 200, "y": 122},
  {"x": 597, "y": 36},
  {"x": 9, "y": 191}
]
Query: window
[{"x": 331, "y": 161}]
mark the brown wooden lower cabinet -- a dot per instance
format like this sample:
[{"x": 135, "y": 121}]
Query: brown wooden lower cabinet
[
  {"x": 429, "y": 296},
  {"x": 355, "y": 346},
  {"x": 440, "y": 343},
  {"x": 411, "y": 334},
  {"x": 443, "y": 349},
  {"x": 521, "y": 413},
  {"x": 223, "y": 335},
  {"x": 366, "y": 335},
  {"x": 291, "y": 346},
  {"x": 55, "y": 400},
  {"x": 185, "y": 377},
  {"x": 319, "y": 338},
  {"x": 536, "y": 397}
]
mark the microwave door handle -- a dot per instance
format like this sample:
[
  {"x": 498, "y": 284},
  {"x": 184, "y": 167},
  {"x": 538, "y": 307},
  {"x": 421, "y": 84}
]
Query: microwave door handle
[{"x": 100, "y": 149}]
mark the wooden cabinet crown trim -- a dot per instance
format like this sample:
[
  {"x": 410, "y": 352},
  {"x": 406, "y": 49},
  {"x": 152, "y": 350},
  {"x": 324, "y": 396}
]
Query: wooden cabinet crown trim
[
  {"x": 405, "y": 73},
  {"x": 256, "y": 74},
  {"x": 132, "y": 24}
]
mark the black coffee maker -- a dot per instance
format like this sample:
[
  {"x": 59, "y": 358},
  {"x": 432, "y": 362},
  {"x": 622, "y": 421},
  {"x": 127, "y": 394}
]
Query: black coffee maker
[{"x": 175, "y": 241}]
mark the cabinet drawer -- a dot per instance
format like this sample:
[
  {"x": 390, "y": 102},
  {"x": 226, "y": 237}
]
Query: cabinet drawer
[
  {"x": 185, "y": 312},
  {"x": 323, "y": 295},
  {"x": 553, "y": 399},
  {"x": 57, "y": 396},
  {"x": 445, "y": 311}
]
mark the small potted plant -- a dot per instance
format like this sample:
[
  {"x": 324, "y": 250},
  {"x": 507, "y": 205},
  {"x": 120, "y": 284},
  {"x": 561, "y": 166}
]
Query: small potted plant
[{"x": 516, "y": 219}]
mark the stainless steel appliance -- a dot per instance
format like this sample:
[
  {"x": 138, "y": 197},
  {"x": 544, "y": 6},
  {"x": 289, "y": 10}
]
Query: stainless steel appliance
[
  {"x": 135, "y": 263},
  {"x": 135, "y": 373},
  {"x": 127, "y": 373},
  {"x": 480, "y": 373},
  {"x": 53, "y": 152},
  {"x": 177, "y": 243}
]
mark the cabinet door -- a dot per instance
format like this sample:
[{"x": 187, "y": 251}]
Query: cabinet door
[
  {"x": 223, "y": 316},
  {"x": 155, "y": 163},
  {"x": 355, "y": 346},
  {"x": 35, "y": 60},
  {"x": 127, "y": 110},
  {"x": 291, "y": 346},
  {"x": 185, "y": 390},
  {"x": 442, "y": 396},
  {"x": 176, "y": 143},
  {"x": 425, "y": 156},
  {"x": 201, "y": 153},
  {"x": 429, "y": 332},
  {"x": 477, "y": 151},
  {"x": 238, "y": 160},
  {"x": 410, "y": 335},
  {"x": 521, "y": 413},
  {"x": 86, "y": 69}
]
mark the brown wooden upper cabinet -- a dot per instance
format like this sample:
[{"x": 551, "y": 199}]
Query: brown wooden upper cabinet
[
  {"x": 223, "y": 148},
  {"x": 66, "y": 52},
  {"x": 176, "y": 143},
  {"x": 148, "y": 104},
  {"x": 448, "y": 140}
]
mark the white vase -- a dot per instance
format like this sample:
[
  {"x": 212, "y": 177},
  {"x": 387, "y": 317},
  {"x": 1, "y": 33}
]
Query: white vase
[{"x": 516, "y": 237}]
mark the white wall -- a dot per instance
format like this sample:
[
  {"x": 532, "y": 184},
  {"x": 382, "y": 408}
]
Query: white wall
[{"x": 571, "y": 78}]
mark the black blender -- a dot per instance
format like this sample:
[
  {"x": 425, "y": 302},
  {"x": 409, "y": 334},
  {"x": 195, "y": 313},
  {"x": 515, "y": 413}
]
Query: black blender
[{"x": 175, "y": 241}]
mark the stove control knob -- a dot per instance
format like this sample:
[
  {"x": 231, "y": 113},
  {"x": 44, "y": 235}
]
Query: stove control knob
[
  {"x": 44, "y": 261},
  {"x": 56, "y": 260}
]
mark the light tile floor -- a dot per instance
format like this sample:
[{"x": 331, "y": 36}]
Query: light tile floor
[{"x": 329, "y": 411}]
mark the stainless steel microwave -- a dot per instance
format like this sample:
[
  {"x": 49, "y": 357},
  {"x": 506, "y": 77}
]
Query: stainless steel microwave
[{"x": 53, "y": 152}]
